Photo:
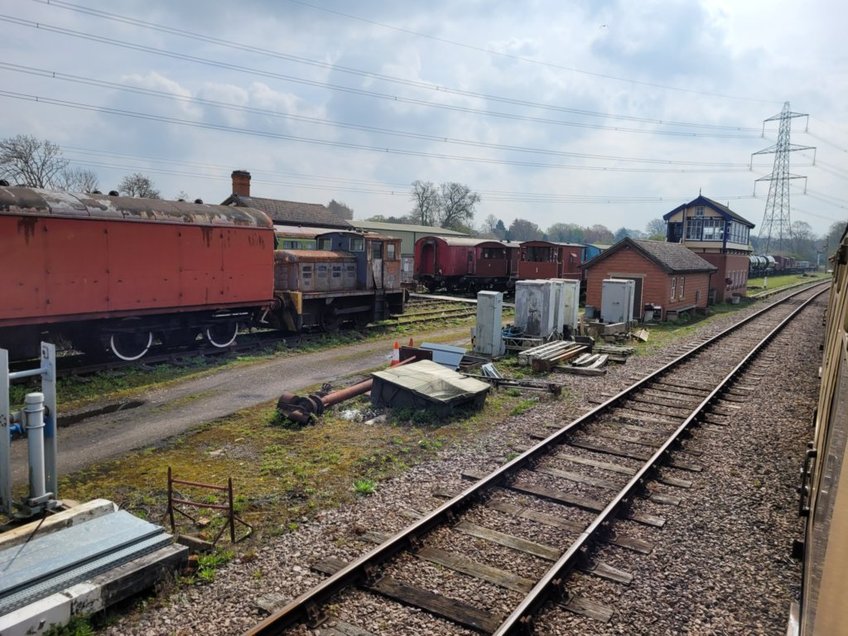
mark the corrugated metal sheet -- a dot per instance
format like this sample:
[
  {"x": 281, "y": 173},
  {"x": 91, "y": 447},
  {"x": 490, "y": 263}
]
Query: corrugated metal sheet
[{"x": 54, "y": 561}]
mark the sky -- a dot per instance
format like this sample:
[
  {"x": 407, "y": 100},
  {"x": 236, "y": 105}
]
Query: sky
[{"x": 555, "y": 111}]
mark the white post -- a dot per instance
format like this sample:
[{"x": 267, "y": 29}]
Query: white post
[
  {"x": 5, "y": 441},
  {"x": 34, "y": 426}
]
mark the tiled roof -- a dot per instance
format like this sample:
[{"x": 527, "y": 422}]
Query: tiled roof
[
  {"x": 715, "y": 205},
  {"x": 672, "y": 257},
  {"x": 291, "y": 212}
]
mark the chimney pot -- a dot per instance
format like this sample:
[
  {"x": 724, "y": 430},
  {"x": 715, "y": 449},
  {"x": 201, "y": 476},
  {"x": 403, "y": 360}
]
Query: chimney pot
[{"x": 241, "y": 183}]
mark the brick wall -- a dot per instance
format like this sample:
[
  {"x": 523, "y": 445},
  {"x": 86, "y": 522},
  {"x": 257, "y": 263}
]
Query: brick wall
[{"x": 656, "y": 282}]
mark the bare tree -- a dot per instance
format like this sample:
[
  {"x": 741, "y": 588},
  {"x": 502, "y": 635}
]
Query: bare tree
[
  {"x": 599, "y": 234},
  {"x": 31, "y": 162},
  {"x": 77, "y": 180},
  {"x": 655, "y": 230},
  {"x": 487, "y": 228},
  {"x": 427, "y": 203},
  {"x": 341, "y": 210},
  {"x": 138, "y": 185},
  {"x": 457, "y": 205}
]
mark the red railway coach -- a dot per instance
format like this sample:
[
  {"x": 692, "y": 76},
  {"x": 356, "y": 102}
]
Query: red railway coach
[
  {"x": 106, "y": 272},
  {"x": 464, "y": 264},
  {"x": 545, "y": 259}
]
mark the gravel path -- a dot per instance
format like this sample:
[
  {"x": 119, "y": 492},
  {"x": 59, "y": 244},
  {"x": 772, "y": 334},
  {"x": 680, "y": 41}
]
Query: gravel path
[{"x": 719, "y": 566}]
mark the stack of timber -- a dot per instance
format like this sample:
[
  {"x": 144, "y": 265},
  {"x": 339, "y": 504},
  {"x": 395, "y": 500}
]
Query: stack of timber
[
  {"x": 587, "y": 364},
  {"x": 617, "y": 353},
  {"x": 547, "y": 356}
]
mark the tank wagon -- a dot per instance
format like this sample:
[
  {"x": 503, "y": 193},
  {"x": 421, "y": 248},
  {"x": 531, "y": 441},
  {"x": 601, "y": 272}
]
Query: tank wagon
[
  {"x": 465, "y": 264},
  {"x": 351, "y": 276},
  {"x": 116, "y": 274},
  {"x": 824, "y": 478}
]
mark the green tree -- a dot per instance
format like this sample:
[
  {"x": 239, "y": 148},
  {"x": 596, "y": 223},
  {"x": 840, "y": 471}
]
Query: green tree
[{"x": 524, "y": 230}]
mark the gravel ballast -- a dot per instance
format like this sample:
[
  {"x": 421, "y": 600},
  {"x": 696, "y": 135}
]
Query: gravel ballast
[{"x": 720, "y": 565}]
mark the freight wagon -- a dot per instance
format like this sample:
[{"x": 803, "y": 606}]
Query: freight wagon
[{"x": 115, "y": 274}]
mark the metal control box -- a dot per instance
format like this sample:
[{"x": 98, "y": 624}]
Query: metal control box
[
  {"x": 488, "y": 338},
  {"x": 617, "y": 300},
  {"x": 534, "y": 307},
  {"x": 567, "y": 305}
]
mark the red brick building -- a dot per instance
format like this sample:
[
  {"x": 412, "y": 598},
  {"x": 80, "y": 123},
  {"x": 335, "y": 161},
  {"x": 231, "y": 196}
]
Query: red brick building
[
  {"x": 667, "y": 275},
  {"x": 718, "y": 235}
]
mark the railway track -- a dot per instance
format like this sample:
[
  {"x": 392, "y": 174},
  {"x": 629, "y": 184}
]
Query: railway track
[
  {"x": 421, "y": 312},
  {"x": 556, "y": 507}
]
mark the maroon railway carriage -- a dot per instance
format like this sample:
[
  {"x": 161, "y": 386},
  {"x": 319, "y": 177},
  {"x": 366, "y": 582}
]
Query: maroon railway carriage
[
  {"x": 463, "y": 264},
  {"x": 545, "y": 259},
  {"x": 114, "y": 273}
]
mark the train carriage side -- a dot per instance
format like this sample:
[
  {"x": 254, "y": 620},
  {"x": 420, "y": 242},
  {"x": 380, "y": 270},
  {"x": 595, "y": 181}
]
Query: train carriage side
[
  {"x": 113, "y": 273},
  {"x": 546, "y": 259},
  {"x": 462, "y": 264},
  {"x": 824, "y": 487}
]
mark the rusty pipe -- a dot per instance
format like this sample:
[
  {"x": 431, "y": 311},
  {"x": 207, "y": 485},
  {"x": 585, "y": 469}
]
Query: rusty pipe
[{"x": 303, "y": 409}]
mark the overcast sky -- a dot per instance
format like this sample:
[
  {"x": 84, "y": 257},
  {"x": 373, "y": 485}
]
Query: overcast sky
[{"x": 593, "y": 111}]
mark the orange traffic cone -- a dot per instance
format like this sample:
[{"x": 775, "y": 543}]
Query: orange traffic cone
[{"x": 395, "y": 354}]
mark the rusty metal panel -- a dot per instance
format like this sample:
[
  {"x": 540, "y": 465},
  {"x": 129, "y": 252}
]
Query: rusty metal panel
[{"x": 58, "y": 267}]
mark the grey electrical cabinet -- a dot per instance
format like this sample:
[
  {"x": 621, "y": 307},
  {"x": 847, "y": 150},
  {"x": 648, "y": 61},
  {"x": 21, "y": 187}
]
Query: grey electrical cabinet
[
  {"x": 488, "y": 338},
  {"x": 535, "y": 307},
  {"x": 568, "y": 305},
  {"x": 617, "y": 300}
]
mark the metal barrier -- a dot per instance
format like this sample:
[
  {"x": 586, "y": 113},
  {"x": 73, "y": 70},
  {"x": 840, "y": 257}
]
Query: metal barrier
[
  {"x": 232, "y": 519},
  {"x": 37, "y": 420}
]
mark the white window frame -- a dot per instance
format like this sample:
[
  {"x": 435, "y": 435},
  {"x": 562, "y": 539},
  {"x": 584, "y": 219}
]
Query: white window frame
[{"x": 673, "y": 286}]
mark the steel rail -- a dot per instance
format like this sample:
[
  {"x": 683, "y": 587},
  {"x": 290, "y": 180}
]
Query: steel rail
[
  {"x": 553, "y": 582},
  {"x": 305, "y": 606}
]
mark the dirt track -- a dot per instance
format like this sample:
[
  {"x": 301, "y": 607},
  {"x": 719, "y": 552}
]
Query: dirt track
[{"x": 168, "y": 412}]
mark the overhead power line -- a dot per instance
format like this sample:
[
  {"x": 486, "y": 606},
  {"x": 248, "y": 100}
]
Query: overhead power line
[
  {"x": 345, "y": 89},
  {"x": 529, "y": 60},
  {"x": 336, "y": 144},
  {"x": 88, "y": 81},
  {"x": 369, "y": 74}
]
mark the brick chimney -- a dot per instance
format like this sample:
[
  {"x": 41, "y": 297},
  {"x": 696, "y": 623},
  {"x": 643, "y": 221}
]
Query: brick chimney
[{"x": 241, "y": 183}]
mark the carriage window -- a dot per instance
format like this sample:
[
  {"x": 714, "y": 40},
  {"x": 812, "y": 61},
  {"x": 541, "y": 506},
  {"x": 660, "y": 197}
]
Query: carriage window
[
  {"x": 376, "y": 249},
  {"x": 307, "y": 271},
  {"x": 337, "y": 271},
  {"x": 357, "y": 244},
  {"x": 493, "y": 252},
  {"x": 390, "y": 251},
  {"x": 325, "y": 244}
]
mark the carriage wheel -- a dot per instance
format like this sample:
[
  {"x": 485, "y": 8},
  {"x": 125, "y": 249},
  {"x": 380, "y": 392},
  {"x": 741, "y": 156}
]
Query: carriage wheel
[
  {"x": 221, "y": 334},
  {"x": 130, "y": 345},
  {"x": 329, "y": 320}
]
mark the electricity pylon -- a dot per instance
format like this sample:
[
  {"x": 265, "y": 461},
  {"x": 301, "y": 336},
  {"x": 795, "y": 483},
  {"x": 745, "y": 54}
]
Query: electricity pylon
[{"x": 776, "y": 222}]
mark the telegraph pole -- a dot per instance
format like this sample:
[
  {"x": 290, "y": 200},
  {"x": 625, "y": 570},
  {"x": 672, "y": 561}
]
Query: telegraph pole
[{"x": 777, "y": 224}]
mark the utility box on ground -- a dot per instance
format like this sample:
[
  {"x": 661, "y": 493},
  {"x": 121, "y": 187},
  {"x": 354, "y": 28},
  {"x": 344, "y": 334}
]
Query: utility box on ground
[
  {"x": 534, "y": 307},
  {"x": 488, "y": 334},
  {"x": 567, "y": 305},
  {"x": 617, "y": 300}
]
